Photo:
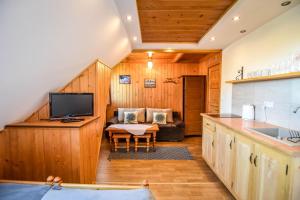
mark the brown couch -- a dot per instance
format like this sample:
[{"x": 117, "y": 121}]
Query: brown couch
[{"x": 167, "y": 132}]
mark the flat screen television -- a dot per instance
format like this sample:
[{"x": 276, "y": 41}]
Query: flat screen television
[{"x": 64, "y": 105}]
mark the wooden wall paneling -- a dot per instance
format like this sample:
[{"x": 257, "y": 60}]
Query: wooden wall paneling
[
  {"x": 211, "y": 65},
  {"x": 25, "y": 152},
  {"x": 135, "y": 95},
  {"x": 4, "y": 154},
  {"x": 58, "y": 151},
  {"x": 84, "y": 82}
]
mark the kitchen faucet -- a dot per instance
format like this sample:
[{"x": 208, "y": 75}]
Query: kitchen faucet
[{"x": 296, "y": 110}]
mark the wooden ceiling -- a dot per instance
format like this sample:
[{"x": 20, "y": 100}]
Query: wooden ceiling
[
  {"x": 179, "y": 20},
  {"x": 173, "y": 57}
]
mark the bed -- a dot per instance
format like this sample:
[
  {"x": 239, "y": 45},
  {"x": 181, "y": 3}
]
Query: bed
[{"x": 54, "y": 188}]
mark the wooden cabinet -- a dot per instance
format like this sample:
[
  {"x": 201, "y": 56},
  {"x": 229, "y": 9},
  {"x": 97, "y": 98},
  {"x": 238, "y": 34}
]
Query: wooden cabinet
[
  {"x": 271, "y": 170},
  {"x": 249, "y": 169},
  {"x": 244, "y": 149},
  {"x": 208, "y": 147},
  {"x": 208, "y": 135},
  {"x": 224, "y": 154}
]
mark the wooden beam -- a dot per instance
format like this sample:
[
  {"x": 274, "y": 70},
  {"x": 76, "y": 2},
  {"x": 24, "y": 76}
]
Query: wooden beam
[{"x": 177, "y": 57}]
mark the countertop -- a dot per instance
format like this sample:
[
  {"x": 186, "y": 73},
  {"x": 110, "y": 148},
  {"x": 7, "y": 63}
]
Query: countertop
[{"x": 242, "y": 126}]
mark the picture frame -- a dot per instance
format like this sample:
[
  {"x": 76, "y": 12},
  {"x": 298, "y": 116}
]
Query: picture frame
[
  {"x": 124, "y": 79},
  {"x": 149, "y": 83}
]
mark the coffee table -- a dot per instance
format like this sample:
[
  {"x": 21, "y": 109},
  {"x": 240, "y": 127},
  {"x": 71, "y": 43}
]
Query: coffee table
[{"x": 153, "y": 130}]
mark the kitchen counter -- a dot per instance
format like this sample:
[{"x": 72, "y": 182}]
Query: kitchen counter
[{"x": 242, "y": 127}]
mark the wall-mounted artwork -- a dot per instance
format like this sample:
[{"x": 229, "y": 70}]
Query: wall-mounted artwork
[
  {"x": 125, "y": 79},
  {"x": 149, "y": 83}
]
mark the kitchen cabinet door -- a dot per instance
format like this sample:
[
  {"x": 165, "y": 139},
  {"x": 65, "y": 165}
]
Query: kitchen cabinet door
[
  {"x": 271, "y": 170},
  {"x": 224, "y": 154},
  {"x": 207, "y": 147},
  {"x": 243, "y": 167}
]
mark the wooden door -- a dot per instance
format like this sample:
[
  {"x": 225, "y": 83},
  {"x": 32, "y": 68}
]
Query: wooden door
[
  {"x": 243, "y": 167},
  {"x": 194, "y": 104},
  {"x": 213, "y": 90},
  {"x": 270, "y": 169},
  {"x": 224, "y": 154},
  {"x": 208, "y": 147}
]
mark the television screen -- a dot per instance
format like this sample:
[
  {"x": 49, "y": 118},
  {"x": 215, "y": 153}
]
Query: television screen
[{"x": 71, "y": 104}]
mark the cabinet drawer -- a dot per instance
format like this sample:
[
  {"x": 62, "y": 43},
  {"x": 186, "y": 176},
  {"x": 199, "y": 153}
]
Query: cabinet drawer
[{"x": 209, "y": 124}]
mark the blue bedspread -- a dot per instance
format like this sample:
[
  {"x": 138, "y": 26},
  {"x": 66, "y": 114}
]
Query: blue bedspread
[
  {"x": 36, "y": 192},
  {"x": 84, "y": 194},
  {"x": 22, "y": 191}
]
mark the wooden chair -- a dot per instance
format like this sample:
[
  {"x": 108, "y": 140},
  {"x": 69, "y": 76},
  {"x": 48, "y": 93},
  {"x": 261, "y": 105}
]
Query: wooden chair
[
  {"x": 117, "y": 136},
  {"x": 147, "y": 136}
]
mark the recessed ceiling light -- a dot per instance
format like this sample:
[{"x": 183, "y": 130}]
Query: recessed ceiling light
[
  {"x": 212, "y": 39},
  {"x": 129, "y": 18},
  {"x": 286, "y": 3},
  {"x": 243, "y": 31},
  {"x": 134, "y": 38},
  {"x": 236, "y": 18}
]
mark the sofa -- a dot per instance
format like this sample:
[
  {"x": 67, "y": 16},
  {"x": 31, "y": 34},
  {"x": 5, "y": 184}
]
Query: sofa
[{"x": 173, "y": 131}]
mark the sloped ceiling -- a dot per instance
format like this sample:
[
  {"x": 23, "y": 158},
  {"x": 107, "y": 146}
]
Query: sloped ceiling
[{"x": 45, "y": 43}]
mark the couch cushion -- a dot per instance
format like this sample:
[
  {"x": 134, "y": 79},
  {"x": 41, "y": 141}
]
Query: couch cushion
[
  {"x": 140, "y": 117},
  {"x": 151, "y": 110},
  {"x": 159, "y": 118},
  {"x": 130, "y": 117}
]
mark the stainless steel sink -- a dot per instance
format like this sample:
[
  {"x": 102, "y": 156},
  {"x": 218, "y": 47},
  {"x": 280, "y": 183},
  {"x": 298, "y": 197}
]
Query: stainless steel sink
[{"x": 278, "y": 134}]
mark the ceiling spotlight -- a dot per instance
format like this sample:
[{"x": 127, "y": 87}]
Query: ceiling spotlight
[
  {"x": 286, "y": 3},
  {"x": 236, "y": 18},
  {"x": 129, "y": 18},
  {"x": 243, "y": 31},
  {"x": 212, "y": 39},
  {"x": 134, "y": 38},
  {"x": 150, "y": 53}
]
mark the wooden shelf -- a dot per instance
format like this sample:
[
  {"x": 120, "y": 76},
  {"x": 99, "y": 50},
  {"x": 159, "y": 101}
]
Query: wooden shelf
[{"x": 267, "y": 78}]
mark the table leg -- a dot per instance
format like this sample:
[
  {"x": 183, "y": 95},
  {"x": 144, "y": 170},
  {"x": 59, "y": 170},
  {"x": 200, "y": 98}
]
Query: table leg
[
  {"x": 148, "y": 144},
  {"x": 154, "y": 140},
  {"x": 127, "y": 144},
  {"x": 136, "y": 141},
  {"x": 110, "y": 140},
  {"x": 116, "y": 144}
]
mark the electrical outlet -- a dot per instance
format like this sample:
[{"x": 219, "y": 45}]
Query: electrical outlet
[{"x": 268, "y": 104}]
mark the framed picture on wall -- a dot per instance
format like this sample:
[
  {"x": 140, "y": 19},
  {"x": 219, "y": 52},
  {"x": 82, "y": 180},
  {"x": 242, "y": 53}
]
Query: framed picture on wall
[
  {"x": 149, "y": 83},
  {"x": 125, "y": 79}
]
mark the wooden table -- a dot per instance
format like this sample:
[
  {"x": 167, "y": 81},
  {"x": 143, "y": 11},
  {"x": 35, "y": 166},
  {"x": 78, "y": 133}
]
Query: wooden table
[{"x": 153, "y": 130}]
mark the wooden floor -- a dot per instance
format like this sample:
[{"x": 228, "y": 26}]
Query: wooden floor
[{"x": 169, "y": 179}]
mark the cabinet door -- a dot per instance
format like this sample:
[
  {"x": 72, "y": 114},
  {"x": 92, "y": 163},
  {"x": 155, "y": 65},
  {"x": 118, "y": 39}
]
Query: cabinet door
[
  {"x": 224, "y": 154},
  {"x": 243, "y": 168},
  {"x": 270, "y": 174},
  {"x": 207, "y": 147}
]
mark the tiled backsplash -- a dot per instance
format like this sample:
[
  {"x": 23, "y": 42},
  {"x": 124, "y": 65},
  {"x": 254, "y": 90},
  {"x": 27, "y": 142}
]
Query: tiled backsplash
[{"x": 284, "y": 93}]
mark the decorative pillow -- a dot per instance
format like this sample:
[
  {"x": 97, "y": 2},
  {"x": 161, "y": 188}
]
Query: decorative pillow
[
  {"x": 130, "y": 117},
  {"x": 151, "y": 110},
  {"x": 140, "y": 117},
  {"x": 159, "y": 118}
]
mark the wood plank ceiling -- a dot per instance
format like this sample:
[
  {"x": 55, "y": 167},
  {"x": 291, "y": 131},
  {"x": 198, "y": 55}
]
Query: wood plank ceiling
[{"x": 179, "y": 20}]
